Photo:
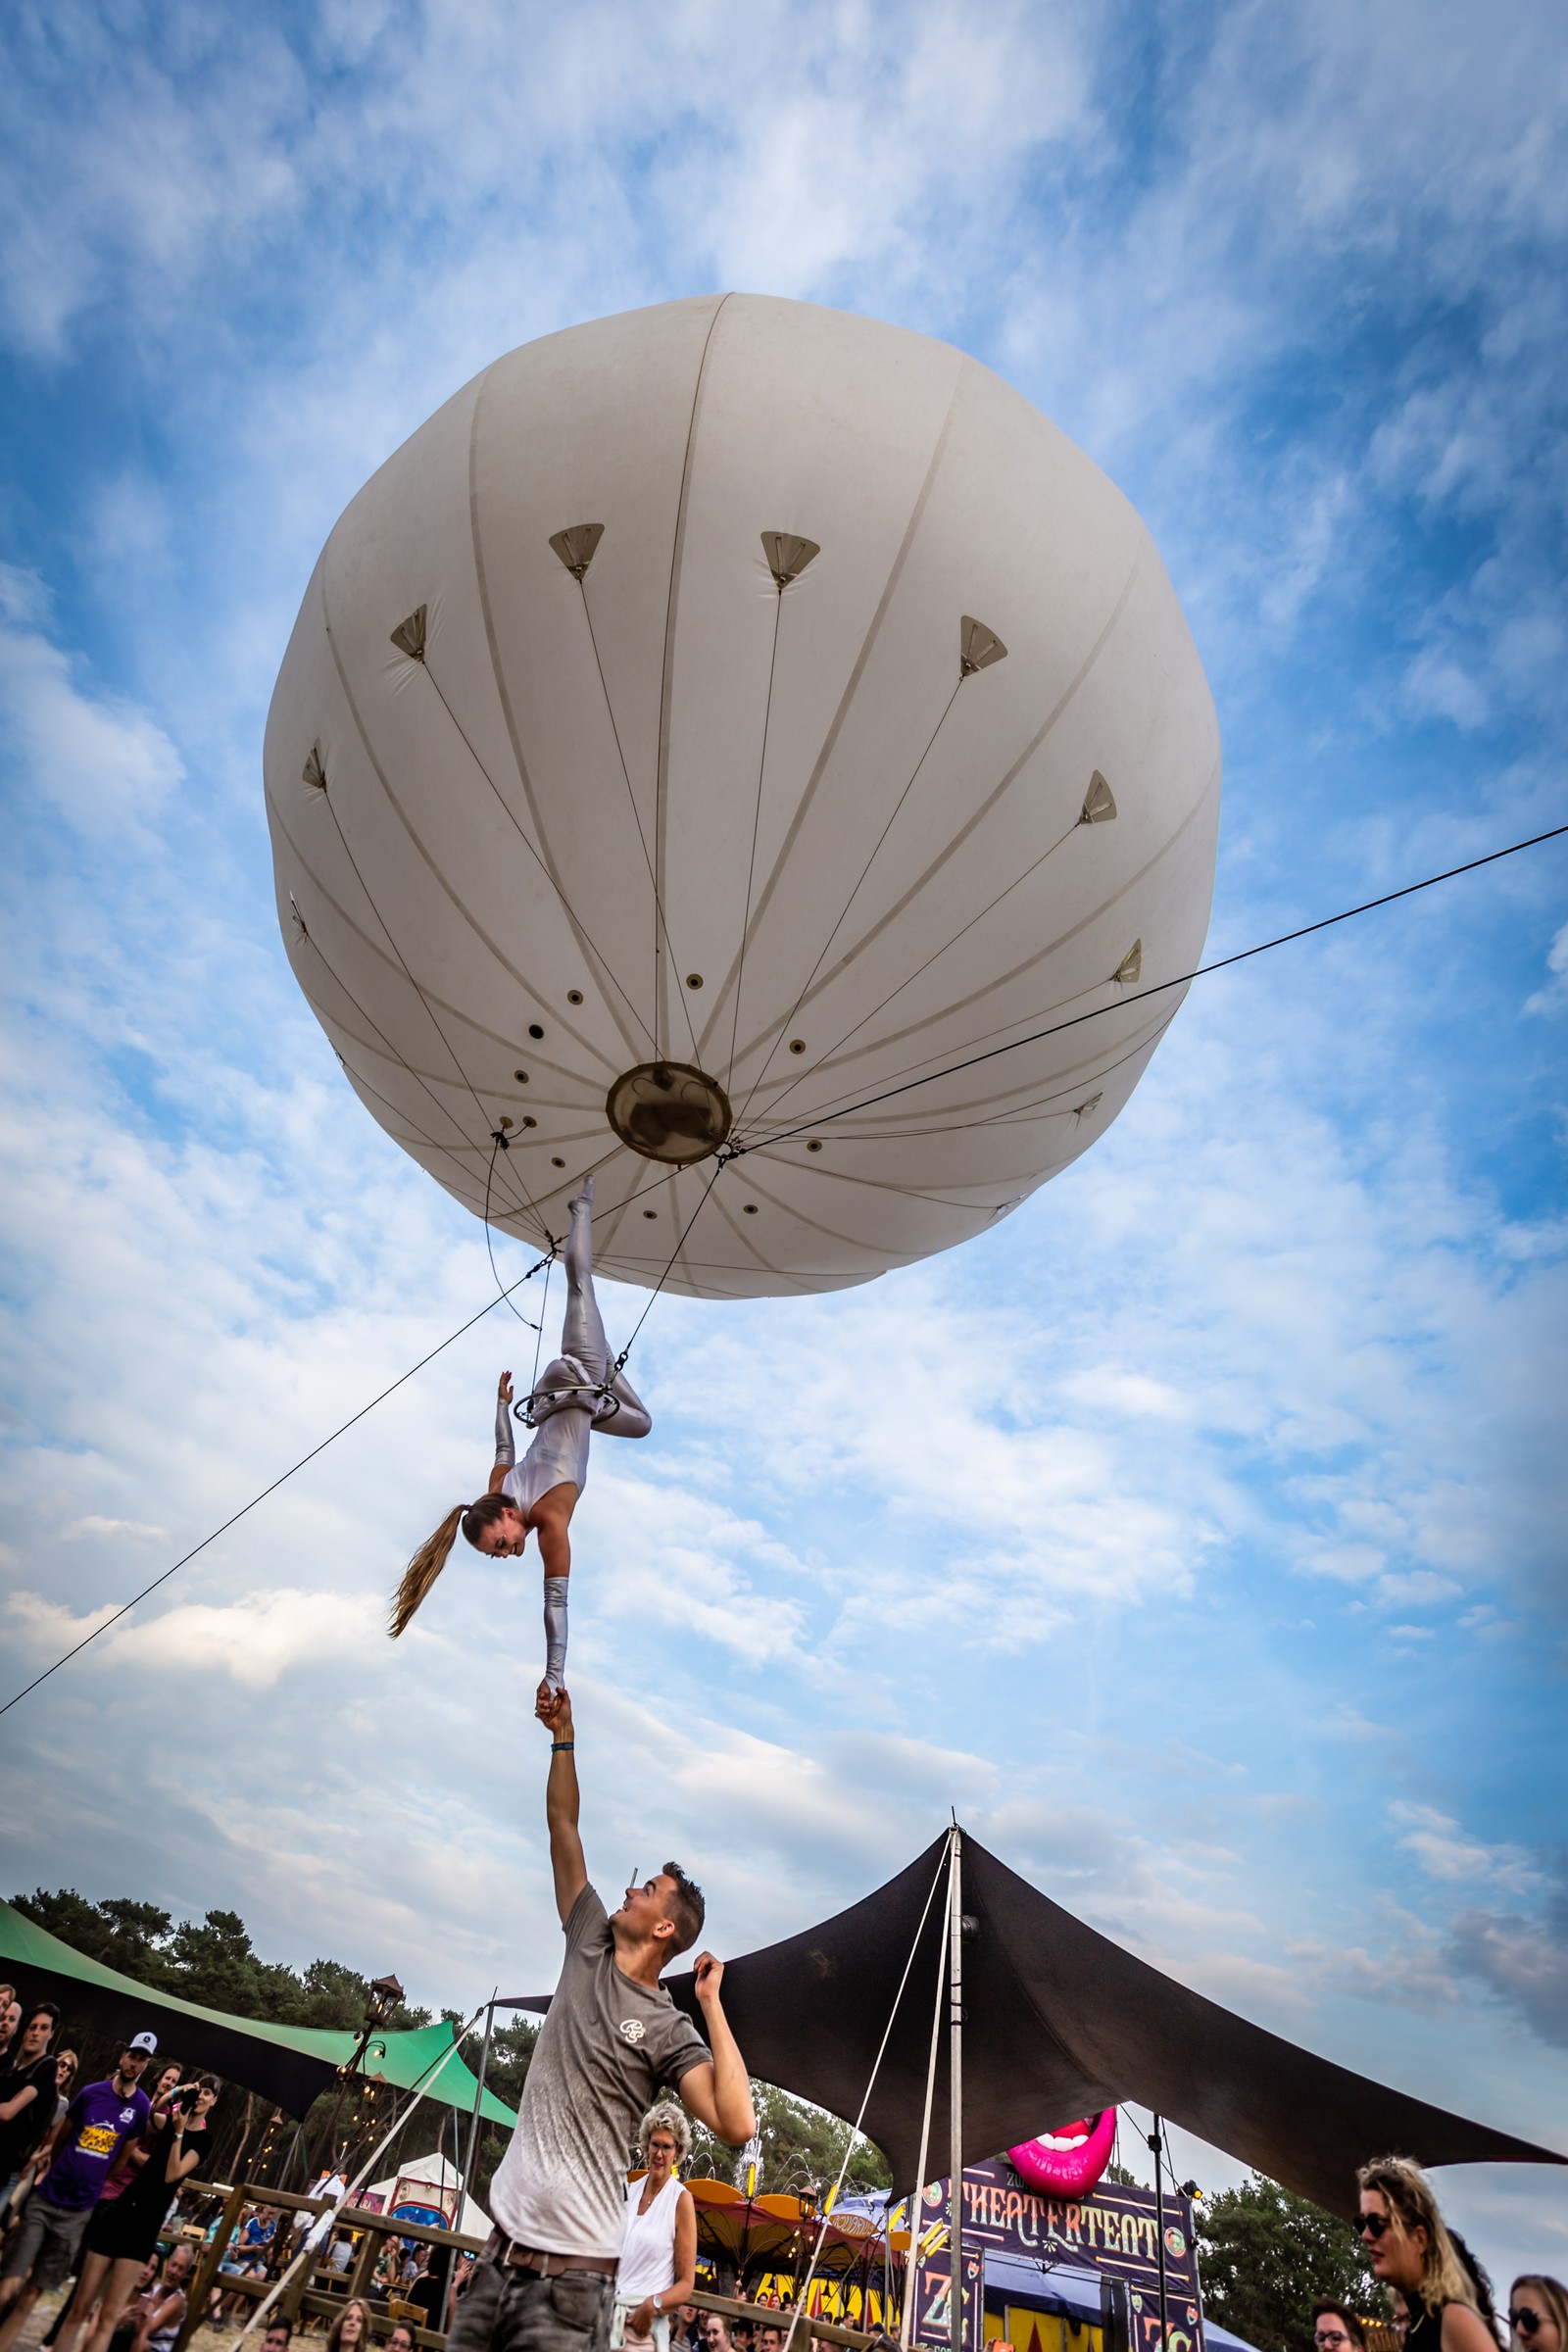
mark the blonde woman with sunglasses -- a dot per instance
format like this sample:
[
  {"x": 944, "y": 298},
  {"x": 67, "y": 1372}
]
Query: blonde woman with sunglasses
[
  {"x": 1537, "y": 2314},
  {"x": 1410, "y": 2249}
]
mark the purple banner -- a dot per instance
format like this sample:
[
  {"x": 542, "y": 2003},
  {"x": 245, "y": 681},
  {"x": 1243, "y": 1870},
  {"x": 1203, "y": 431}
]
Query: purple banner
[{"x": 1112, "y": 2230}]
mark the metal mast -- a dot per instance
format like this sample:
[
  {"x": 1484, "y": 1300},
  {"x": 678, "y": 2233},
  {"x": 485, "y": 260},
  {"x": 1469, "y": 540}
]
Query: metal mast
[{"x": 956, "y": 2084}]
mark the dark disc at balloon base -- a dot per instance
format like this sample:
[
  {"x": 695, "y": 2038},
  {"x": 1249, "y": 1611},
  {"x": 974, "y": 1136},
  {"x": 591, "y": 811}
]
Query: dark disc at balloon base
[{"x": 669, "y": 1111}]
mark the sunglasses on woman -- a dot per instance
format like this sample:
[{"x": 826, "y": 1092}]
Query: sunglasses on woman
[
  {"x": 1525, "y": 2320},
  {"x": 1372, "y": 2224}
]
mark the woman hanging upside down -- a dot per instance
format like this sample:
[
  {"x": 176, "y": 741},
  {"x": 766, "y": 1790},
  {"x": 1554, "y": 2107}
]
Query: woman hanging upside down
[{"x": 579, "y": 1393}]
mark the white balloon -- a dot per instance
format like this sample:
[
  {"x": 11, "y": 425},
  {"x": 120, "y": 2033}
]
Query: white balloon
[{"x": 710, "y": 719}]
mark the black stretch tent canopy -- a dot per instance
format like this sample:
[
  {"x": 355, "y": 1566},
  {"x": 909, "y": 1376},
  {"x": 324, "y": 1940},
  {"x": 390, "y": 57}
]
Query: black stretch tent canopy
[{"x": 1058, "y": 2021}]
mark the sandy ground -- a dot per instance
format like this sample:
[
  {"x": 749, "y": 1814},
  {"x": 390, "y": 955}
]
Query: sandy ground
[{"x": 41, "y": 2319}]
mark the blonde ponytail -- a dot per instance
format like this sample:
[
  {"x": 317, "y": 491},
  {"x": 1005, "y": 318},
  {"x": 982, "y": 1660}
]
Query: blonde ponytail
[{"x": 423, "y": 1570}]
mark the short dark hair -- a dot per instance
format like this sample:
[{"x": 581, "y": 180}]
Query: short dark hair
[
  {"x": 1353, "y": 2325},
  {"x": 48, "y": 2009},
  {"x": 683, "y": 1904},
  {"x": 277, "y": 2325}
]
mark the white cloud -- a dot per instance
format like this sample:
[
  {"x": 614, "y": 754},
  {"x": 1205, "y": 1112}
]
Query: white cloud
[
  {"x": 95, "y": 1529},
  {"x": 47, "y": 1627},
  {"x": 100, "y": 761},
  {"x": 1554, "y": 995},
  {"x": 1445, "y": 1852},
  {"x": 257, "y": 1640}
]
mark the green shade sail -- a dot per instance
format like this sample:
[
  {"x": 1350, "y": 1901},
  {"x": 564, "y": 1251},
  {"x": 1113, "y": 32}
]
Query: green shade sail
[{"x": 291, "y": 2065}]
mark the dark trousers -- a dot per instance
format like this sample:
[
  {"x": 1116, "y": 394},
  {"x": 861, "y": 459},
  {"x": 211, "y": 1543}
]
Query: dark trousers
[{"x": 510, "y": 2309}]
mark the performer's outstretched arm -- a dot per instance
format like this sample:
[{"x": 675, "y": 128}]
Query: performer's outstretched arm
[
  {"x": 719, "y": 2095},
  {"x": 554, "y": 1710},
  {"x": 506, "y": 1450}
]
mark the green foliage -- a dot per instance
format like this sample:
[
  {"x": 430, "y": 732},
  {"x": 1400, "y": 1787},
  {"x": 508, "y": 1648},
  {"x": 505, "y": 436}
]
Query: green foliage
[
  {"x": 802, "y": 2147},
  {"x": 214, "y": 1963},
  {"x": 1265, "y": 2256}
]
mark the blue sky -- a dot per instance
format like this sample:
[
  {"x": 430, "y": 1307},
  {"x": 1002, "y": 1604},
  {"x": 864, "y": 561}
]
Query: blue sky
[{"x": 1197, "y": 1534}]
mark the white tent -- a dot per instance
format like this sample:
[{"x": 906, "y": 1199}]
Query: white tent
[{"x": 472, "y": 2221}]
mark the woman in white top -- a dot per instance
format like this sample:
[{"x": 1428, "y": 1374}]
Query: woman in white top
[{"x": 658, "y": 2238}]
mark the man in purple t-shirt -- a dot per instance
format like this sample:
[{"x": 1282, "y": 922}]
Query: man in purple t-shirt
[{"x": 73, "y": 2165}]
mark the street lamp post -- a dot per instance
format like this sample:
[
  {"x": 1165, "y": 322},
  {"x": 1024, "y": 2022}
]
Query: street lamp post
[{"x": 383, "y": 1996}]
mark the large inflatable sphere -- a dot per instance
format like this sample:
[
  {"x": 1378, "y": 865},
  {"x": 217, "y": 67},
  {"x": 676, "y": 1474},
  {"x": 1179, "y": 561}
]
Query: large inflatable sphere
[{"x": 710, "y": 721}]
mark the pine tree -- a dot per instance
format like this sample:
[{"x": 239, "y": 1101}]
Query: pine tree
[{"x": 1266, "y": 2256}]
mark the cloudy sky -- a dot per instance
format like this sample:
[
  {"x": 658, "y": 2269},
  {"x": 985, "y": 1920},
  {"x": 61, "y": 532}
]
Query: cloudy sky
[{"x": 1197, "y": 1535}]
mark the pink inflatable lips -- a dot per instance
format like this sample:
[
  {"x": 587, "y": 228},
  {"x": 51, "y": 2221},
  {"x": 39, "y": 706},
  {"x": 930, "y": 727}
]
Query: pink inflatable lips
[{"x": 1066, "y": 2162}]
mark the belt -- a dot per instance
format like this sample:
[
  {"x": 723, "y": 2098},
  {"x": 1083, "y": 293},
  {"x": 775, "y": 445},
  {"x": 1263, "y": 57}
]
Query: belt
[{"x": 515, "y": 2257}]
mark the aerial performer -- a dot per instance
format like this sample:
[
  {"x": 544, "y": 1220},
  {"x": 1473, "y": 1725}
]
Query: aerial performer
[{"x": 580, "y": 1391}]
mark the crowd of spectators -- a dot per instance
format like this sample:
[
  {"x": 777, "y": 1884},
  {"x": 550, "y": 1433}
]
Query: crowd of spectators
[
  {"x": 92, "y": 2175},
  {"x": 94, "y": 2208}
]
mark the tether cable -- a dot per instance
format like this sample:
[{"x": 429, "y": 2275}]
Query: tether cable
[
  {"x": 803, "y": 2295},
  {"x": 722, "y": 1161},
  {"x": 499, "y": 1144},
  {"x": 333, "y": 2206},
  {"x": 282, "y": 1480},
  {"x": 1160, "y": 988},
  {"x": 733, "y": 1152}
]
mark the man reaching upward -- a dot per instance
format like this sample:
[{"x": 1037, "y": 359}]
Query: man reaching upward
[{"x": 613, "y": 2036}]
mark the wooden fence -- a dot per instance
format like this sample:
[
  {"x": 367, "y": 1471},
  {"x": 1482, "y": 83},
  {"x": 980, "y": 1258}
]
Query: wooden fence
[{"x": 320, "y": 2292}]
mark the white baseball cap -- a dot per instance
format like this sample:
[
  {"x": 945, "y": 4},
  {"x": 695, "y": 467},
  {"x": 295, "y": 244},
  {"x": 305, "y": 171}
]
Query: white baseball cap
[{"x": 144, "y": 2042}]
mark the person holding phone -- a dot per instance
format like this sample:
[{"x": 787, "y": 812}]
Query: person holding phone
[
  {"x": 70, "y": 2169},
  {"x": 122, "y": 2235}
]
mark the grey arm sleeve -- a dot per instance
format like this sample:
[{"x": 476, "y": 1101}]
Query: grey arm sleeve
[{"x": 506, "y": 1450}]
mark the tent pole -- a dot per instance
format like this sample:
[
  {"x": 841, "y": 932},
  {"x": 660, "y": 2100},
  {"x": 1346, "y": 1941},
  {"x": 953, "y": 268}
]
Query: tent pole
[
  {"x": 911, "y": 2260},
  {"x": 1156, "y": 2144},
  {"x": 955, "y": 2087},
  {"x": 467, "y": 2185}
]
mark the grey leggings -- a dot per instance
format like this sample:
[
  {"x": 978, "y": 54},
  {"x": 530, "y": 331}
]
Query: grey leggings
[{"x": 582, "y": 1333}]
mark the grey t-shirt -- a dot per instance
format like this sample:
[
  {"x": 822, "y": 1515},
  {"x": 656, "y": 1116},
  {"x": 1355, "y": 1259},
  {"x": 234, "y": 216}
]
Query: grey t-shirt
[{"x": 604, "y": 2048}]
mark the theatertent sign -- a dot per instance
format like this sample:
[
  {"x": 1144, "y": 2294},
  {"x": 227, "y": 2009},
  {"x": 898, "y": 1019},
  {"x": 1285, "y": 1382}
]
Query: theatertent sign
[{"x": 1114, "y": 2230}]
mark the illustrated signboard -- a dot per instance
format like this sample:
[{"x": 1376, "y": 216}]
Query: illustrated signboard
[
  {"x": 1113, "y": 2230},
  {"x": 426, "y": 2201}
]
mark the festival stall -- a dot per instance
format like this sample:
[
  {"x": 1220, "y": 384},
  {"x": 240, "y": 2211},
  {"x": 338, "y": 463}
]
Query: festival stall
[{"x": 428, "y": 2189}]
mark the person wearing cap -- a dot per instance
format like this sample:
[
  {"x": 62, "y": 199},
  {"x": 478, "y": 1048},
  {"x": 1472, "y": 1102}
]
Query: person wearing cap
[{"x": 71, "y": 2168}]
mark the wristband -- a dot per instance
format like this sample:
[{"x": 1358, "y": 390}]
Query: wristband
[{"x": 562, "y": 1747}]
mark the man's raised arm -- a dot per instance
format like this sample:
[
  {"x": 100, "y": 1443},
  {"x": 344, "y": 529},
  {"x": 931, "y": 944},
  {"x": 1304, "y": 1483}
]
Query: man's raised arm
[
  {"x": 719, "y": 2095},
  {"x": 554, "y": 1710}
]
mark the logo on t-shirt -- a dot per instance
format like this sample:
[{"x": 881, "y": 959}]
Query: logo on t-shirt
[{"x": 633, "y": 2029}]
